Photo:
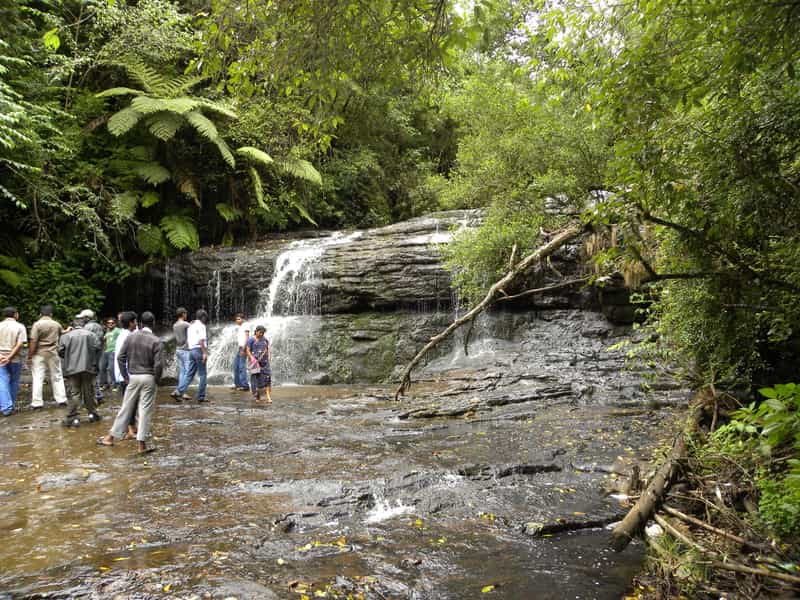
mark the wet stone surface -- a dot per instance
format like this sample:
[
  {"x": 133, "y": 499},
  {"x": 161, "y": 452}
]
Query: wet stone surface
[{"x": 332, "y": 489}]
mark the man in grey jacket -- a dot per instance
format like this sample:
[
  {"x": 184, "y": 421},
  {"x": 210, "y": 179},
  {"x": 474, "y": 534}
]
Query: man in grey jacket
[
  {"x": 140, "y": 363},
  {"x": 86, "y": 316},
  {"x": 79, "y": 350}
]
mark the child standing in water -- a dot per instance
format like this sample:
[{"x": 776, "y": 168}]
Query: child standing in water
[{"x": 259, "y": 357}]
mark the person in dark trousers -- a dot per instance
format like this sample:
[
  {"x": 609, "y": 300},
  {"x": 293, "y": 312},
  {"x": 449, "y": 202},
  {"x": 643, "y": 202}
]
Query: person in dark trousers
[
  {"x": 106, "y": 376},
  {"x": 140, "y": 361},
  {"x": 86, "y": 317},
  {"x": 79, "y": 350},
  {"x": 179, "y": 329}
]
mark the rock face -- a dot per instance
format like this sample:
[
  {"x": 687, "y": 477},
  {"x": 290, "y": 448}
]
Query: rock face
[{"x": 352, "y": 307}]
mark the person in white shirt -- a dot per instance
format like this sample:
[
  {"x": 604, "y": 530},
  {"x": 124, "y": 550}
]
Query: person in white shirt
[
  {"x": 240, "y": 376},
  {"x": 197, "y": 340}
]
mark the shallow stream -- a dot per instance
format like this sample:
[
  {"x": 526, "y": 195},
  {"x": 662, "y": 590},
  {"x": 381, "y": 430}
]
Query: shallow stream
[{"x": 331, "y": 490}]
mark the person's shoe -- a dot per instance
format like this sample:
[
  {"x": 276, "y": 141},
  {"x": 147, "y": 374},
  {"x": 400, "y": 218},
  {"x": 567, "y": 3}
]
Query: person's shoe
[
  {"x": 72, "y": 423},
  {"x": 99, "y": 401},
  {"x": 243, "y": 389},
  {"x": 202, "y": 399},
  {"x": 175, "y": 394},
  {"x": 94, "y": 418},
  {"x": 7, "y": 414},
  {"x": 37, "y": 407},
  {"x": 186, "y": 398},
  {"x": 231, "y": 387},
  {"x": 62, "y": 404}
]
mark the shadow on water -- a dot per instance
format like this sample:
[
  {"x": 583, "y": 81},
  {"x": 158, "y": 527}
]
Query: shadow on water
[{"x": 324, "y": 491}]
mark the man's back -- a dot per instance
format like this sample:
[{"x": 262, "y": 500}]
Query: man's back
[
  {"x": 142, "y": 354},
  {"x": 79, "y": 350}
]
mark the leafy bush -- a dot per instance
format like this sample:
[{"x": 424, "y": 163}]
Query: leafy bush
[{"x": 51, "y": 282}]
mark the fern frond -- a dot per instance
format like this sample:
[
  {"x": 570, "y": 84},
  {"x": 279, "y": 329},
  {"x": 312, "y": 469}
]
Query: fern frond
[
  {"x": 225, "y": 151},
  {"x": 10, "y": 278},
  {"x": 203, "y": 125},
  {"x": 181, "y": 232},
  {"x": 150, "y": 79},
  {"x": 120, "y": 91},
  {"x": 218, "y": 107},
  {"x": 142, "y": 152},
  {"x": 301, "y": 210},
  {"x": 15, "y": 264},
  {"x": 228, "y": 212},
  {"x": 147, "y": 105},
  {"x": 255, "y": 155},
  {"x": 125, "y": 205},
  {"x": 165, "y": 125},
  {"x": 258, "y": 188},
  {"x": 150, "y": 198},
  {"x": 149, "y": 239},
  {"x": 152, "y": 172},
  {"x": 302, "y": 169},
  {"x": 123, "y": 121},
  {"x": 182, "y": 84}
]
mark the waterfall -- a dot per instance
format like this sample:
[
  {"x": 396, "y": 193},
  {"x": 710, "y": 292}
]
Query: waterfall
[{"x": 289, "y": 308}]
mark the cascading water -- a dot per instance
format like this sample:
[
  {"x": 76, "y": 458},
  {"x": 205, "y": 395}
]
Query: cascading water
[{"x": 289, "y": 309}]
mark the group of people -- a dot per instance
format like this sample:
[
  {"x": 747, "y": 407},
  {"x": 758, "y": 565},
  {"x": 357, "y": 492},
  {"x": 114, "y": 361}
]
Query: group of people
[{"x": 86, "y": 359}]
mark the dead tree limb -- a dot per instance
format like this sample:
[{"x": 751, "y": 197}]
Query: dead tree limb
[
  {"x": 544, "y": 251},
  {"x": 542, "y": 290},
  {"x": 637, "y": 516}
]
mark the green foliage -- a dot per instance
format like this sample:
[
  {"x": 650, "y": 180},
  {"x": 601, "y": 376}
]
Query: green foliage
[
  {"x": 478, "y": 258},
  {"x": 55, "y": 283},
  {"x": 181, "y": 232}
]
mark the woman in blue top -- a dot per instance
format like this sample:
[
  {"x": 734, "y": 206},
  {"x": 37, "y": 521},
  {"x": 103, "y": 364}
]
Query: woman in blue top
[{"x": 259, "y": 357}]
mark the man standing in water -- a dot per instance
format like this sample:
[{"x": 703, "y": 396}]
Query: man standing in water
[
  {"x": 179, "y": 329},
  {"x": 141, "y": 365},
  {"x": 240, "y": 359},
  {"x": 197, "y": 340},
  {"x": 43, "y": 357},
  {"x": 80, "y": 349},
  {"x": 12, "y": 337},
  {"x": 86, "y": 316},
  {"x": 106, "y": 377}
]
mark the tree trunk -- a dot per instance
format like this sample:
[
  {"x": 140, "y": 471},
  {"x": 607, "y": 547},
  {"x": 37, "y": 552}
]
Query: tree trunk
[{"x": 559, "y": 240}]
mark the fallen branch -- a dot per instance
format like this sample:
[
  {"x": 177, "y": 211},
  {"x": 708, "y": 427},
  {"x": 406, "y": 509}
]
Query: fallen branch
[
  {"x": 636, "y": 518},
  {"x": 720, "y": 532},
  {"x": 729, "y": 565},
  {"x": 542, "y": 290},
  {"x": 544, "y": 251}
]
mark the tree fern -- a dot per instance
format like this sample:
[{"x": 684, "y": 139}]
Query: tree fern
[
  {"x": 302, "y": 169},
  {"x": 228, "y": 212},
  {"x": 182, "y": 84},
  {"x": 152, "y": 172},
  {"x": 150, "y": 239},
  {"x": 123, "y": 121},
  {"x": 255, "y": 155},
  {"x": 125, "y": 205},
  {"x": 301, "y": 210},
  {"x": 225, "y": 151},
  {"x": 181, "y": 232},
  {"x": 150, "y": 198},
  {"x": 150, "y": 79},
  {"x": 120, "y": 91},
  {"x": 165, "y": 125},
  {"x": 203, "y": 125},
  {"x": 258, "y": 188},
  {"x": 147, "y": 105}
]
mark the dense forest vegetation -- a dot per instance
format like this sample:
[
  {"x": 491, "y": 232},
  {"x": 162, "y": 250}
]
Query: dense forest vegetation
[{"x": 131, "y": 131}]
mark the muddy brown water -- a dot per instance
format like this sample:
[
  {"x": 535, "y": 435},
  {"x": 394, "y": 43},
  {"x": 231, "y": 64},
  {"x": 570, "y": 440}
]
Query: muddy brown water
[{"x": 326, "y": 491}]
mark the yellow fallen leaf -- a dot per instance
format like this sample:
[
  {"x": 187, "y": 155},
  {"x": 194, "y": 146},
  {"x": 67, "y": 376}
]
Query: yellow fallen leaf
[
  {"x": 487, "y": 588},
  {"x": 578, "y": 513},
  {"x": 119, "y": 558},
  {"x": 136, "y": 528},
  {"x": 320, "y": 594},
  {"x": 280, "y": 561},
  {"x": 104, "y": 569},
  {"x": 305, "y": 548},
  {"x": 341, "y": 542},
  {"x": 167, "y": 587}
]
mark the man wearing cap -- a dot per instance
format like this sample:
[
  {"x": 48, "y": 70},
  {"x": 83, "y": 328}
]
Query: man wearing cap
[
  {"x": 43, "y": 358},
  {"x": 79, "y": 350},
  {"x": 86, "y": 316},
  {"x": 12, "y": 338}
]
